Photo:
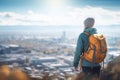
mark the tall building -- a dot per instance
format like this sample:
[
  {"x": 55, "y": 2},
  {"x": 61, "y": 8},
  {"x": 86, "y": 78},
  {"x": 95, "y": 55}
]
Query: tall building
[
  {"x": 27, "y": 61},
  {"x": 63, "y": 37}
]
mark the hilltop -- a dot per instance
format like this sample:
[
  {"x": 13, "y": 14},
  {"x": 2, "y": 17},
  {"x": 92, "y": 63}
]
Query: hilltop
[{"x": 111, "y": 72}]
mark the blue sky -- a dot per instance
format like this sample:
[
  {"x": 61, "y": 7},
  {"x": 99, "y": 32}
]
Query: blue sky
[
  {"x": 58, "y": 12},
  {"x": 97, "y": 3},
  {"x": 22, "y": 5}
]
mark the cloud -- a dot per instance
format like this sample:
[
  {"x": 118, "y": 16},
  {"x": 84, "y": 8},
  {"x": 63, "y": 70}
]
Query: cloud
[
  {"x": 12, "y": 18},
  {"x": 69, "y": 16}
]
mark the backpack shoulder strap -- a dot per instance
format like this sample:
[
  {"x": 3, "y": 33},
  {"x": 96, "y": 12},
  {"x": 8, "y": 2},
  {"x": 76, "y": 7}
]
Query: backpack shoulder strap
[{"x": 88, "y": 34}]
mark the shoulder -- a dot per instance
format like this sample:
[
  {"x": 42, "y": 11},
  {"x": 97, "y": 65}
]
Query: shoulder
[{"x": 82, "y": 35}]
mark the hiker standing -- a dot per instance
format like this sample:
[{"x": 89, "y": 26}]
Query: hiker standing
[{"x": 82, "y": 47}]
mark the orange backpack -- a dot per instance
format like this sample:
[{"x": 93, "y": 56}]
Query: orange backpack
[{"x": 97, "y": 48}]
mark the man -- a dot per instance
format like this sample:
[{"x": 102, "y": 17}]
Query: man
[{"x": 82, "y": 46}]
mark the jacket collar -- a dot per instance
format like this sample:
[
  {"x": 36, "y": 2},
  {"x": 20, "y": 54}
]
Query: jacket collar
[{"x": 91, "y": 30}]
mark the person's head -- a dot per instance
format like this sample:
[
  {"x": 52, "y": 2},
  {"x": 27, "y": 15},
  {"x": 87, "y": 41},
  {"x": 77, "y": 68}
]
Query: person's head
[{"x": 89, "y": 22}]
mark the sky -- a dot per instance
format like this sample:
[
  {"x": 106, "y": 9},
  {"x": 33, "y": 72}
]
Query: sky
[{"x": 58, "y": 12}]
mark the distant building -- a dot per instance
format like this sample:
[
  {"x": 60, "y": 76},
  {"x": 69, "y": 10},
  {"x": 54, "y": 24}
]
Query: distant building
[
  {"x": 7, "y": 49},
  {"x": 56, "y": 65},
  {"x": 10, "y": 61},
  {"x": 27, "y": 61},
  {"x": 63, "y": 37},
  {"x": 40, "y": 60},
  {"x": 66, "y": 69},
  {"x": 69, "y": 60}
]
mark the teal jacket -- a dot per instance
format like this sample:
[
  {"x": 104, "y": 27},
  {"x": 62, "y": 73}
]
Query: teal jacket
[{"x": 82, "y": 45}]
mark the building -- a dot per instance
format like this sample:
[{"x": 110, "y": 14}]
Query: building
[
  {"x": 56, "y": 65},
  {"x": 40, "y": 60}
]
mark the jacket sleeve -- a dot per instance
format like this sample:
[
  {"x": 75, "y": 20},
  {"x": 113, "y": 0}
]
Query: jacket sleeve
[{"x": 78, "y": 52}]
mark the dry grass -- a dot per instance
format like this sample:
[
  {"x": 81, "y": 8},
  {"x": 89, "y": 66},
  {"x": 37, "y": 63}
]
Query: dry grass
[{"x": 7, "y": 74}]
